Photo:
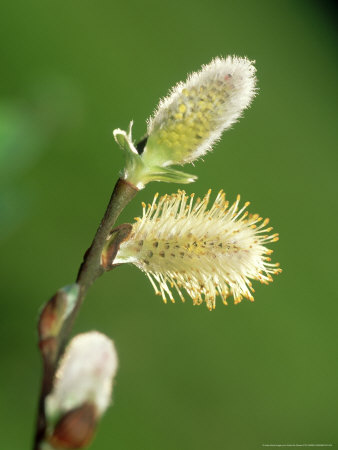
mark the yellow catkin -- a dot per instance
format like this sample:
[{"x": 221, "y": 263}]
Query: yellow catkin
[{"x": 181, "y": 244}]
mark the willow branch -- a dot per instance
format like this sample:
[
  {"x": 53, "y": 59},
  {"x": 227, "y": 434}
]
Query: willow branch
[{"x": 90, "y": 269}]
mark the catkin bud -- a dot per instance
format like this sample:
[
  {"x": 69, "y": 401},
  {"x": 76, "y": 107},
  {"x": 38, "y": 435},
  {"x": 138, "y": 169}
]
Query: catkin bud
[
  {"x": 56, "y": 311},
  {"x": 84, "y": 376},
  {"x": 52, "y": 318}
]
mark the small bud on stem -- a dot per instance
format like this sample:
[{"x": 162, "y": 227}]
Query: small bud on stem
[
  {"x": 114, "y": 240},
  {"x": 53, "y": 316},
  {"x": 75, "y": 429}
]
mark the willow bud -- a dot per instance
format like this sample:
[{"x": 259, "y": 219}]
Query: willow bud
[{"x": 84, "y": 376}]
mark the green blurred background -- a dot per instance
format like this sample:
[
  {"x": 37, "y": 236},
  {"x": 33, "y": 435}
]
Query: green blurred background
[{"x": 236, "y": 378}]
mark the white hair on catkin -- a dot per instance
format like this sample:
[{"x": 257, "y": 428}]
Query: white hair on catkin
[{"x": 195, "y": 113}]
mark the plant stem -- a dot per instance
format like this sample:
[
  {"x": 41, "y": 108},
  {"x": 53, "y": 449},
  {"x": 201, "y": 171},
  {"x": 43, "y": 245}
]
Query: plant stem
[{"x": 89, "y": 271}]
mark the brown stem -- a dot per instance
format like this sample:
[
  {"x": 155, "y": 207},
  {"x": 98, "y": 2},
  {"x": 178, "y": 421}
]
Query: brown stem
[
  {"x": 49, "y": 368},
  {"x": 90, "y": 270}
]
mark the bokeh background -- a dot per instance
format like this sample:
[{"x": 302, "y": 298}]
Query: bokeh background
[{"x": 236, "y": 378}]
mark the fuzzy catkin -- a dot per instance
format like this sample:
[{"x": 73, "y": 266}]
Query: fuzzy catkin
[
  {"x": 182, "y": 245},
  {"x": 85, "y": 374},
  {"x": 196, "y": 112}
]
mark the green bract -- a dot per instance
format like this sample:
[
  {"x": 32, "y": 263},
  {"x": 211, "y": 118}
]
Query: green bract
[{"x": 140, "y": 170}]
